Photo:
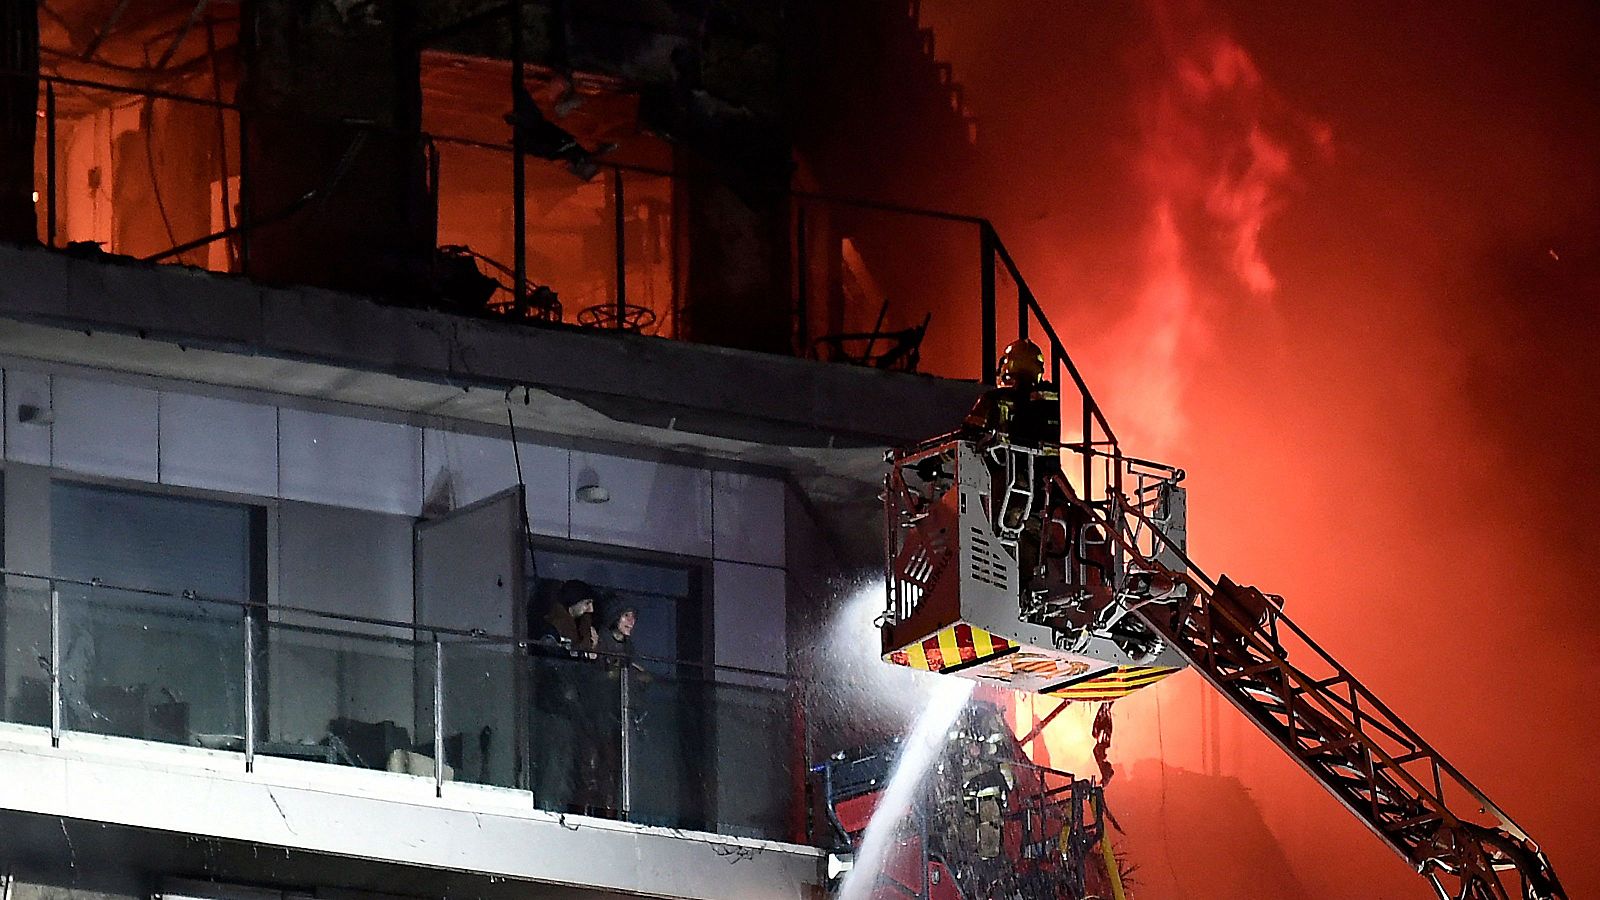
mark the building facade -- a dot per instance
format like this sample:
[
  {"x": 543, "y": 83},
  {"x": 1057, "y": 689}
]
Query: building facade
[{"x": 329, "y": 368}]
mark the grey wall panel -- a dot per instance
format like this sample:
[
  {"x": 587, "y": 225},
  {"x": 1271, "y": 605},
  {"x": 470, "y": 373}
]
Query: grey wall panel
[
  {"x": 27, "y": 442},
  {"x": 749, "y": 611},
  {"x": 345, "y": 561},
  {"x": 350, "y": 462},
  {"x": 812, "y": 562},
  {"x": 747, "y": 512},
  {"x": 219, "y": 445},
  {"x": 657, "y": 506},
  {"x": 460, "y": 469},
  {"x": 103, "y": 428}
]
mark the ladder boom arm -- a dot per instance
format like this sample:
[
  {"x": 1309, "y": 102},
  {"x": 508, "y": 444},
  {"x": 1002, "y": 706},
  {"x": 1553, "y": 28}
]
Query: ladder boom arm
[{"x": 1315, "y": 710}]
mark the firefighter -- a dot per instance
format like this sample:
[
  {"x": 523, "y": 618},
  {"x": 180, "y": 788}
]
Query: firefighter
[
  {"x": 1022, "y": 409},
  {"x": 1017, "y": 427}
]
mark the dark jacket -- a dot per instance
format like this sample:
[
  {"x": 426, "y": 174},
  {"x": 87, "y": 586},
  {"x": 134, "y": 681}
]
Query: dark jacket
[
  {"x": 562, "y": 665},
  {"x": 1028, "y": 416}
]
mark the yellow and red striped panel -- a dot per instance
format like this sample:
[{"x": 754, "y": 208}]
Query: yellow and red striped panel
[
  {"x": 1113, "y": 685},
  {"x": 959, "y": 644}
]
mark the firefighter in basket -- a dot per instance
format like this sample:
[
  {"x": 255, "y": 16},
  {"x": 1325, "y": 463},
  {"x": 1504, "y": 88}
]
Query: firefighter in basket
[{"x": 1016, "y": 427}]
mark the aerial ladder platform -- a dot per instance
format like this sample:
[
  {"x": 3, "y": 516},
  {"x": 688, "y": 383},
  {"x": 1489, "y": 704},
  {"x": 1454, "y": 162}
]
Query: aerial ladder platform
[{"x": 1079, "y": 585}]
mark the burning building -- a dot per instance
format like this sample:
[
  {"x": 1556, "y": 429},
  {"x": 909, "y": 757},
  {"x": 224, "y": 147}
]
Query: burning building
[
  {"x": 436, "y": 437},
  {"x": 433, "y": 433}
]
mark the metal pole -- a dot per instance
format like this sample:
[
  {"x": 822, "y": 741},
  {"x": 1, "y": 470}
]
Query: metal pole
[
  {"x": 1088, "y": 452},
  {"x": 55, "y": 666},
  {"x": 625, "y": 776},
  {"x": 438, "y": 718},
  {"x": 802, "y": 284},
  {"x": 619, "y": 219},
  {"x": 986, "y": 240},
  {"x": 1024, "y": 306},
  {"x": 519, "y": 176},
  {"x": 249, "y": 692},
  {"x": 246, "y": 220},
  {"x": 50, "y": 164}
]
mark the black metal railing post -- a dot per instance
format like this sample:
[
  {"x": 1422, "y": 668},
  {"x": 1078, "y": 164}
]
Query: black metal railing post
[
  {"x": 249, "y": 689},
  {"x": 519, "y": 176},
  {"x": 986, "y": 242},
  {"x": 1088, "y": 450},
  {"x": 50, "y": 164},
  {"x": 619, "y": 224},
  {"x": 625, "y": 749}
]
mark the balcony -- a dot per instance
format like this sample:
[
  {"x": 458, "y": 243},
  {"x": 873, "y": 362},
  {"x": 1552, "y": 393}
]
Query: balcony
[
  {"x": 389, "y": 741},
  {"x": 876, "y": 285}
]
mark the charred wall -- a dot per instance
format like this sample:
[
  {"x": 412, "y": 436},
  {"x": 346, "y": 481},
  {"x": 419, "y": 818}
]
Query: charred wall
[
  {"x": 334, "y": 150},
  {"x": 19, "y": 98}
]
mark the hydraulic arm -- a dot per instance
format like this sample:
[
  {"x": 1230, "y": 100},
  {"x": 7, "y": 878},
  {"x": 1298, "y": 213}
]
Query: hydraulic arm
[
  {"x": 1090, "y": 593},
  {"x": 1241, "y": 642}
]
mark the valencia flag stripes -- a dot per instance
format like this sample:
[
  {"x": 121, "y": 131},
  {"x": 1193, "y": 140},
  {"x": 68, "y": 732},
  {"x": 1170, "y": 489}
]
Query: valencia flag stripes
[{"x": 1114, "y": 685}]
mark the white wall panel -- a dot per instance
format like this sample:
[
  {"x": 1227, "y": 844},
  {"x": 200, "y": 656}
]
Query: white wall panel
[
  {"x": 350, "y": 462},
  {"x": 749, "y": 623},
  {"x": 657, "y": 506},
  {"x": 747, "y": 512},
  {"x": 219, "y": 445},
  {"x": 464, "y": 468},
  {"x": 27, "y": 442},
  {"x": 103, "y": 428}
]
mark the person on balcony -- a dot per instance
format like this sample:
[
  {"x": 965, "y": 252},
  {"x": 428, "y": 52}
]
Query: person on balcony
[
  {"x": 565, "y": 645},
  {"x": 609, "y": 715}
]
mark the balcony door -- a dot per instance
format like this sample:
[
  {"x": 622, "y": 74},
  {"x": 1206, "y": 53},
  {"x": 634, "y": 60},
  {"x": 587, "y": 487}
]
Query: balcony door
[{"x": 469, "y": 579}]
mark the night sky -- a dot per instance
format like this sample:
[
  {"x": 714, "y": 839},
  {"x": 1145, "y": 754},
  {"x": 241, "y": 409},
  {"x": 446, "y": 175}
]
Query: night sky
[{"x": 1341, "y": 262}]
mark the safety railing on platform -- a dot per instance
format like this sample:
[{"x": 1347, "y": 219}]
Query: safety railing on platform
[{"x": 659, "y": 742}]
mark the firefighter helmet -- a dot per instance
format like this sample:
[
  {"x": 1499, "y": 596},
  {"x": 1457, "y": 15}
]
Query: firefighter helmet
[{"x": 1021, "y": 364}]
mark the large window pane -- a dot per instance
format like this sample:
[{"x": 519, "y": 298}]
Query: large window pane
[
  {"x": 152, "y": 541},
  {"x": 151, "y": 666},
  {"x": 25, "y": 625},
  {"x": 345, "y": 698},
  {"x": 140, "y": 659}
]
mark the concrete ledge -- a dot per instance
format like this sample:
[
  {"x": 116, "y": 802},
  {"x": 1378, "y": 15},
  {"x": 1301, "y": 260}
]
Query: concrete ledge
[
  {"x": 386, "y": 818},
  {"x": 652, "y": 381}
]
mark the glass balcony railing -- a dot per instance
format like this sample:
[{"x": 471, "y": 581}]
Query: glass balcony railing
[{"x": 656, "y": 742}]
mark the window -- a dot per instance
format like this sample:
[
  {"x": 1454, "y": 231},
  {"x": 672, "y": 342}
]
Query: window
[
  {"x": 667, "y": 596},
  {"x": 142, "y": 653}
]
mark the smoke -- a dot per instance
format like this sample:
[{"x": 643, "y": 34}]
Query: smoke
[
  {"x": 1385, "y": 420},
  {"x": 1217, "y": 156}
]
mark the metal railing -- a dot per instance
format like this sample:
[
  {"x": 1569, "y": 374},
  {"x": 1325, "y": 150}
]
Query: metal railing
[
  {"x": 654, "y": 741},
  {"x": 877, "y": 284}
]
